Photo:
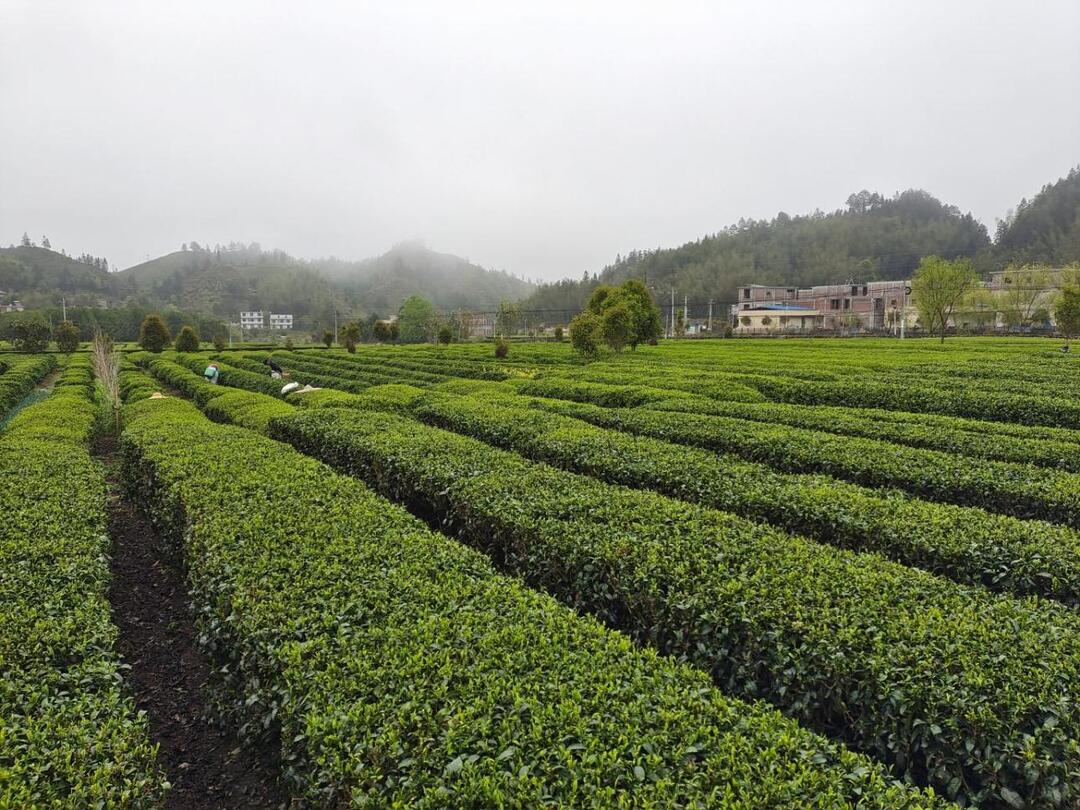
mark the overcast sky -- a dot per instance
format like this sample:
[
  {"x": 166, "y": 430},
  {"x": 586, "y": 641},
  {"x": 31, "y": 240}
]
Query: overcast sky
[{"x": 542, "y": 140}]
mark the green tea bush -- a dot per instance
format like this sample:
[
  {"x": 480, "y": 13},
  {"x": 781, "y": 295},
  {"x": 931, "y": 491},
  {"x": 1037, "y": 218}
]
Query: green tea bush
[
  {"x": 70, "y": 734},
  {"x": 20, "y": 376},
  {"x": 965, "y": 544},
  {"x": 394, "y": 668},
  {"x": 973, "y": 693}
]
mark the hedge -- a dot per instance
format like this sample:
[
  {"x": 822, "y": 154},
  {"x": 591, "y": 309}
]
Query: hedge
[
  {"x": 393, "y": 667},
  {"x": 70, "y": 735},
  {"x": 957, "y": 401},
  {"x": 972, "y": 693},
  {"x": 966, "y": 544},
  {"x": 20, "y": 378},
  {"x": 1021, "y": 490}
]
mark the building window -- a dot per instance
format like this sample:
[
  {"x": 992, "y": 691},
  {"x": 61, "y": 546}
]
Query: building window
[
  {"x": 834, "y": 303},
  {"x": 854, "y": 289},
  {"x": 847, "y": 303},
  {"x": 746, "y": 292}
]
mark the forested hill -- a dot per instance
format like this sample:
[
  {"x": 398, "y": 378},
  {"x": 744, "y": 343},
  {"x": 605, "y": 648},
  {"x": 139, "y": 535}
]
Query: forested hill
[
  {"x": 37, "y": 274},
  {"x": 226, "y": 280},
  {"x": 1046, "y": 229},
  {"x": 874, "y": 237},
  {"x": 450, "y": 282}
]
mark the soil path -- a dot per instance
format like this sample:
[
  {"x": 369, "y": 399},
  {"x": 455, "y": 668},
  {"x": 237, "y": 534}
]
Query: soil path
[{"x": 207, "y": 765}]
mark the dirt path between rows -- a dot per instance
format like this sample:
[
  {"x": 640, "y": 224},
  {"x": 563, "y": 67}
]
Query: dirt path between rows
[{"x": 207, "y": 765}]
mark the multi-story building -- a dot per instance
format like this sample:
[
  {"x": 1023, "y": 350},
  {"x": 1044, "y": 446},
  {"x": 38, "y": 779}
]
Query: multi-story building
[
  {"x": 872, "y": 305},
  {"x": 252, "y": 320},
  {"x": 279, "y": 321}
]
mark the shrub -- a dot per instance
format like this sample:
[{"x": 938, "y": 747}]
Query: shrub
[
  {"x": 586, "y": 336},
  {"x": 358, "y": 629},
  {"x": 72, "y": 735},
  {"x": 220, "y": 341},
  {"x": 28, "y": 334},
  {"x": 187, "y": 340},
  {"x": 20, "y": 377},
  {"x": 66, "y": 336},
  {"x": 502, "y": 348},
  {"x": 848, "y": 642},
  {"x": 154, "y": 334},
  {"x": 289, "y": 346},
  {"x": 558, "y": 334},
  {"x": 328, "y": 339},
  {"x": 445, "y": 335}
]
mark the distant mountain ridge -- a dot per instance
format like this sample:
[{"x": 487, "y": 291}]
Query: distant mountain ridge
[{"x": 225, "y": 280}]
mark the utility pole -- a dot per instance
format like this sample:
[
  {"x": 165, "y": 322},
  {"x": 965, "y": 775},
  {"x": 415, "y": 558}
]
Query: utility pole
[
  {"x": 335, "y": 324},
  {"x": 671, "y": 333},
  {"x": 903, "y": 312},
  {"x": 63, "y": 306},
  {"x": 685, "y": 313},
  {"x": 709, "y": 328}
]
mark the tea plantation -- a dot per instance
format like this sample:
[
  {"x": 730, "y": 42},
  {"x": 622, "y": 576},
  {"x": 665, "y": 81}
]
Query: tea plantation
[{"x": 732, "y": 573}]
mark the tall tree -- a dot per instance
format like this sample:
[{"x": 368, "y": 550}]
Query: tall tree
[
  {"x": 938, "y": 287},
  {"x": 1067, "y": 312},
  {"x": 418, "y": 321},
  {"x": 1028, "y": 289}
]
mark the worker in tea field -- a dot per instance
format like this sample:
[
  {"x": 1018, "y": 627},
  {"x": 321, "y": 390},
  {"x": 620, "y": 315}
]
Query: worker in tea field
[
  {"x": 212, "y": 373},
  {"x": 275, "y": 370}
]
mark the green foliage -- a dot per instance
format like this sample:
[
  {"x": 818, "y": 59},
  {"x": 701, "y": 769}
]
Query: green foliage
[
  {"x": 506, "y": 318},
  {"x": 289, "y": 345},
  {"x": 558, "y": 334},
  {"x": 445, "y": 335},
  {"x": 19, "y": 378},
  {"x": 328, "y": 339},
  {"x": 66, "y": 335},
  {"x": 586, "y": 335},
  {"x": 417, "y": 320},
  {"x": 72, "y": 736},
  {"x": 850, "y": 642},
  {"x": 357, "y": 628},
  {"x": 187, "y": 340},
  {"x": 385, "y": 331},
  {"x": 502, "y": 348},
  {"x": 872, "y": 238},
  {"x": 617, "y": 326},
  {"x": 1045, "y": 230},
  {"x": 938, "y": 288},
  {"x": 1067, "y": 312},
  {"x": 154, "y": 334},
  {"x": 350, "y": 336},
  {"x": 220, "y": 341},
  {"x": 28, "y": 334},
  {"x": 628, "y": 314}
]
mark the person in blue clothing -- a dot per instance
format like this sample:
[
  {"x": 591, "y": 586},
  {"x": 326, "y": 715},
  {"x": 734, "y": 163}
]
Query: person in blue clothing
[{"x": 212, "y": 374}]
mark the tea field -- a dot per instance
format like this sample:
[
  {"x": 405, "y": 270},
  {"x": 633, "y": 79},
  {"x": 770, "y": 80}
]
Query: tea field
[{"x": 741, "y": 573}]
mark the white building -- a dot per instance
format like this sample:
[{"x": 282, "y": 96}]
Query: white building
[
  {"x": 279, "y": 321},
  {"x": 251, "y": 320}
]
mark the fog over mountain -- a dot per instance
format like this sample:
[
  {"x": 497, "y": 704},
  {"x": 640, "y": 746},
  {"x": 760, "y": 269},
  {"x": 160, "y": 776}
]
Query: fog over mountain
[{"x": 544, "y": 140}]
